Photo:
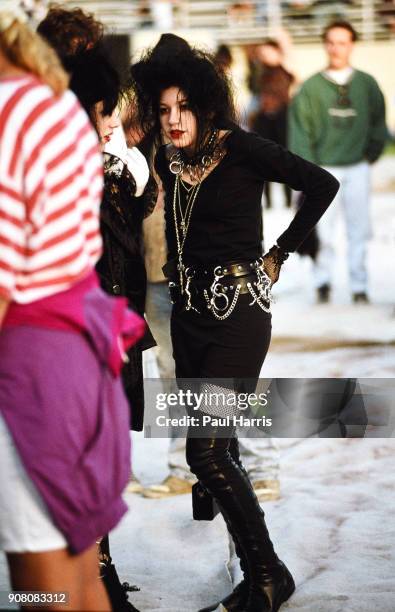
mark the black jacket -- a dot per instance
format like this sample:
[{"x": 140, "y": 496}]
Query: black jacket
[{"x": 121, "y": 267}]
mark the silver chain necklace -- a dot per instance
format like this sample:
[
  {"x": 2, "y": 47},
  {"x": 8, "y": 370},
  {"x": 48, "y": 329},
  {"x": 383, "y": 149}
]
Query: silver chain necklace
[
  {"x": 181, "y": 228},
  {"x": 197, "y": 166}
]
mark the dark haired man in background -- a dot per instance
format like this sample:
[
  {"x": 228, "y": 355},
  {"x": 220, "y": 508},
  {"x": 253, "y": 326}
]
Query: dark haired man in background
[{"x": 337, "y": 120}]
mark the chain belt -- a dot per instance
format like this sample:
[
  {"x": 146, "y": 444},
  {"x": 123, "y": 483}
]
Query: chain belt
[{"x": 229, "y": 280}]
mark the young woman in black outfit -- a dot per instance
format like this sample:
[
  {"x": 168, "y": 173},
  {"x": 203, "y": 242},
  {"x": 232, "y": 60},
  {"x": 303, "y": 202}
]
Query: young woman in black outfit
[{"x": 213, "y": 174}]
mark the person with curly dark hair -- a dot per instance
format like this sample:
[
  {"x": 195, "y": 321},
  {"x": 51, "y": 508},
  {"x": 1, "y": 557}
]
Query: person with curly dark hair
[
  {"x": 70, "y": 31},
  {"x": 213, "y": 174},
  {"x": 126, "y": 201},
  {"x": 129, "y": 191},
  {"x": 129, "y": 196}
]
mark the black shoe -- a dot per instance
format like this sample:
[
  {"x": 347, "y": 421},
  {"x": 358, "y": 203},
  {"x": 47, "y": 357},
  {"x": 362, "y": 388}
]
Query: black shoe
[
  {"x": 269, "y": 582},
  {"x": 271, "y": 590},
  {"x": 360, "y": 298},
  {"x": 117, "y": 592},
  {"x": 323, "y": 294}
]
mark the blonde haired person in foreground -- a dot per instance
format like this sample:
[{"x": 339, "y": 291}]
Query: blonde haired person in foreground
[{"x": 58, "y": 357}]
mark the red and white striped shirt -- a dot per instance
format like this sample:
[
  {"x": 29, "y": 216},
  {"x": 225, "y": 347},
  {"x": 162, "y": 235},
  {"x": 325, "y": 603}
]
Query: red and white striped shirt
[{"x": 51, "y": 181}]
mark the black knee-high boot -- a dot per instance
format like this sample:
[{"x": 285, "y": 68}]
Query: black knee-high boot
[
  {"x": 239, "y": 596},
  {"x": 269, "y": 581}
]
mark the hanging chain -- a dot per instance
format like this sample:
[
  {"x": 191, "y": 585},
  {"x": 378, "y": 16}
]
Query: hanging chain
[
  {"x": 213, "y": 309},
  {"x": 182, "y": 226},
  {"x": 190, "y": 200},
  {"x": 218, "y": 293},
  {"x": 189, "y": 274},
  {"x": 257, "y": 299}
]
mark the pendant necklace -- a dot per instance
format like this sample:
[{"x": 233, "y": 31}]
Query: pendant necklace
[
  {"x": 182, "y": 221},
  {"x": 196, "y": 168}
]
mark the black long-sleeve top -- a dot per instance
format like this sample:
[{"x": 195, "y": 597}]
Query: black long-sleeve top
[{"x": 226, "y": 221}]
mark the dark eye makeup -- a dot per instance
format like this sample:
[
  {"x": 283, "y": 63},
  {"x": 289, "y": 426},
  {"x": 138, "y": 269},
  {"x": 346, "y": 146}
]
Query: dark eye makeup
[{"x": 183, "y": 106}]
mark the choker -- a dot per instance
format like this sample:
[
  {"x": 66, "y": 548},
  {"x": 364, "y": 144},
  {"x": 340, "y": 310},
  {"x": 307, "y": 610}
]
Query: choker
[{"x": 197, "y": 165}]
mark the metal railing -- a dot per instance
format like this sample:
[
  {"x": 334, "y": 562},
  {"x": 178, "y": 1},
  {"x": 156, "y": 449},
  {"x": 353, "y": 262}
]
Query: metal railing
[{"x": 246, "y": 22}]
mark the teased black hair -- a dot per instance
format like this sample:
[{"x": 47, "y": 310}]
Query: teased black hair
[
  {"x": 93, "y": 80},
  {"x": 172, "y": 62}
]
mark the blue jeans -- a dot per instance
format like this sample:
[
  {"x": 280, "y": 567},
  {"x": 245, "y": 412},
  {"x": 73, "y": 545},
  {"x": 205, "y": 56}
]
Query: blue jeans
[{"x": 353, "y": 199}]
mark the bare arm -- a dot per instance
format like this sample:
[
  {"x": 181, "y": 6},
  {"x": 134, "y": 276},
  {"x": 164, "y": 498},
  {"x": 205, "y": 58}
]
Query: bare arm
[{"x": 3, "y": 308}]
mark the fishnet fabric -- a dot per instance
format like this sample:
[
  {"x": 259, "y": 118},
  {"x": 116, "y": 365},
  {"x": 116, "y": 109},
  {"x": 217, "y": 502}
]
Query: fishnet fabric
[
  {"x": 218, "y": 401},
  {"x": 272, "y": 262}
]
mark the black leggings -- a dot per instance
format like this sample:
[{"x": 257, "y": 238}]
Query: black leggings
[
  {"x": 233, "y": 348},
  {"x": 205, "y": 348}
]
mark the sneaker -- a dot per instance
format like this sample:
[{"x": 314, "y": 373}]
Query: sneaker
[
  {"x": 134, "y": 485},
  {"x": 266, "y": 490},
  {"x": 360, "y": 298},
  {"x": 323, "y": 294},
  {"x": 172, "y": 485}
]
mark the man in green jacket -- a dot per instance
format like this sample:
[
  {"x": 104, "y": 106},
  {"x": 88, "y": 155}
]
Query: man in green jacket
[{"x": 337, "y": 120}]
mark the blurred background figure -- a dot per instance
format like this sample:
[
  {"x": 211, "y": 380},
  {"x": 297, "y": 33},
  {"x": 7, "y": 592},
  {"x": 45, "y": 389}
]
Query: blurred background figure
[
  {"x": 35, "y": 9},
  {"x": 273, "y": 84},
  {"x": 223, "y": 58},
  {"x": 386, "y": 12},
  {"x": 241, "y": 13},
  {"x": 162, "y": 14},
  {"x": 261, "y": 9},
  {"x": 228, "y": 58},
  {"x": 328, "y": 10},
  {"x": 337, "y": 120},
  {"x": 298, "y": 10},
  {"x": 144, "y": 13},
  {"x": 272, "y": 53}
]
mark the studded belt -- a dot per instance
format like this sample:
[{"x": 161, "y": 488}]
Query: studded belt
[{"x": 222, "y": 285}]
